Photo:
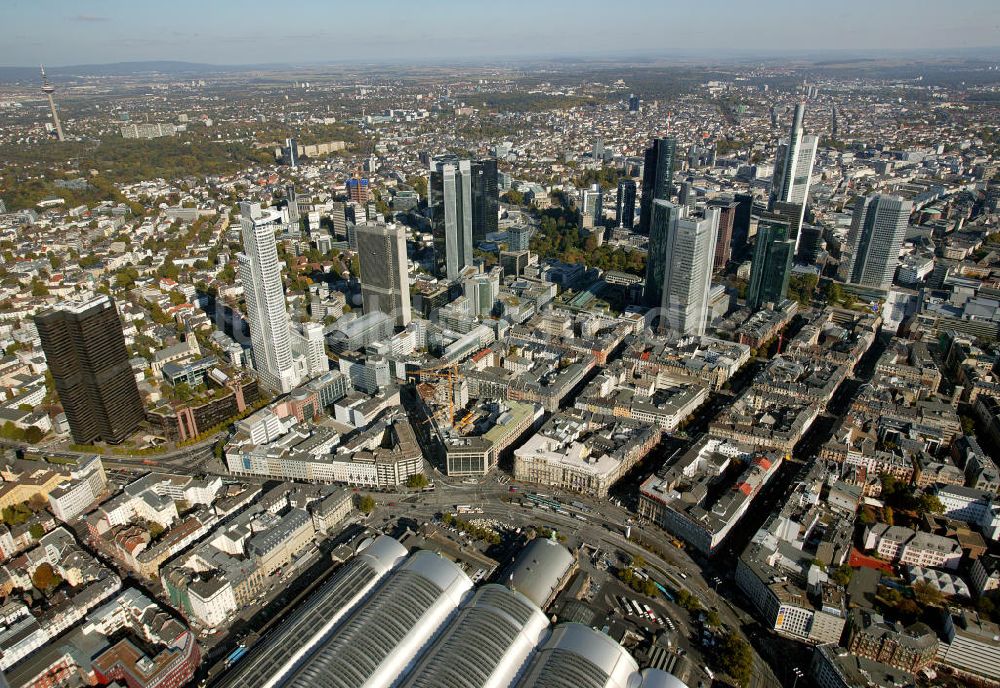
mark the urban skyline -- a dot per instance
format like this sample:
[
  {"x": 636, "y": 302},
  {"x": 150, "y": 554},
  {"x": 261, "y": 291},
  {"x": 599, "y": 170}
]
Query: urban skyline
[{"x": 631, "y": 368}]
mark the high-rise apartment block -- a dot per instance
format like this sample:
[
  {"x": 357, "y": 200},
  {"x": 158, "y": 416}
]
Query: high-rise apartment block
[
  {"x": 657, "y": 178},
  {"x": 385, "y": 282},
  {"x": 878, "y": 228},
  {"x": 85, "y": 350},
  {"x": 267, "y": 314}
]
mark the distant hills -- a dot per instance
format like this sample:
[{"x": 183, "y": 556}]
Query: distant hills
[{"x": 165, "y": 67}]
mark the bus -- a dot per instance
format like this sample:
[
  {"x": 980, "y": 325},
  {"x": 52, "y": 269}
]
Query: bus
[
  {"x": 463, "y": 508},
  {"x": 637, "y": 608}
]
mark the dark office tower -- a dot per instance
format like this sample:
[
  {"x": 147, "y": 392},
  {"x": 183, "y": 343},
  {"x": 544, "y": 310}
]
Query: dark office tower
[
  {"x": 741, "y": 223},
  {"x": 382, "y": 257},
  {"x": 723, "y": 240},
  {"x": 663, "y": 221},
  {"x": 684, "y": 195},
  {"x": 85, "y": 350},
  {"x": 657, "y": 178},
  {"x": 633, "y": 103},
  {"x": 293, "y": 206},
  {"x": 810, "y": 244},
  {"x": 878, "y": 227},
  {"x": 485, "y": 199},
  {"x": 772, "y": 264},
  {"x": 625, "y": 208}
]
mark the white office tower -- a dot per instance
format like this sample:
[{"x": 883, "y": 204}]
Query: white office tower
[
  {"x": 385, "y": 283},
  {"x": 687, "y": 271},
  {"x": 591, "y": 206},
  {"x": 451, "y": 215},
  {"x": 482, "y": 291},
  {"x": 793, "y": 167},
  {"x": 260, "y": 272},
  {"x": 878, "y": 228},
  {"x": 309, "y": 348}
]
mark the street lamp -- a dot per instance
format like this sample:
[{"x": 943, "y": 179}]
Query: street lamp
[{"x": 798, "y": 674}]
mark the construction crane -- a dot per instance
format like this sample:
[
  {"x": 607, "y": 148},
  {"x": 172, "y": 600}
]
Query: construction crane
[{"x": 449, "y": 372}]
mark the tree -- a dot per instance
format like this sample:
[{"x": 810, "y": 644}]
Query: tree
[
  {"x": 366, "y": 504},
  {"x": 37, "y": 531},
  {"x": 734, "y": 656},
  {"x": 45, "y": 578},
  {"x": 417, "y": 481},
  {"x": 929, "y": 503},
  {"x": 887, "y": 516},
  {"x": 842, "y": 574},
  {"x": 713, "y": 619},
  {"x": 927, "y": 595}
]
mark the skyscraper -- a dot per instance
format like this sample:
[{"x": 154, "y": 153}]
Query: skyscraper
[
  {"x": 519, "y": 238},
  {"x": 625, "y": 207},
  {"x": 293, "y": 206},
  {"x": 684, "y": 195},
  {"x": 741, "y": 222},
  {"x": 260, "y": 272},
  {"x": 663, "y": 221},
  {"x": 357, "y": 190},
  {"x": 385, "y": 282},
  {"x": 633, "y": 103},
  {"x": 772, "y": 264},
  {"x": 657, "y": 178},
  {"x": 723, "y": 250},
  {"x": 450, "y": 193},
  {"x": 688, "y": 253},
  {"x": 291, "y": 153},
  {"x": 597, "y": 153},
  {"x": 591, "y": 206},
  {"x": 485, "y": 199},
  {"x": 793, "y": 166},
  {"x": 85, "y": 350},
  {"x": 877, "y": 231}
]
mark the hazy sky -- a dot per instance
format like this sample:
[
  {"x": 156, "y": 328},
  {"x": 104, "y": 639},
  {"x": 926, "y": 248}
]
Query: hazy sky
[{"x": 250, "y": 31}]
